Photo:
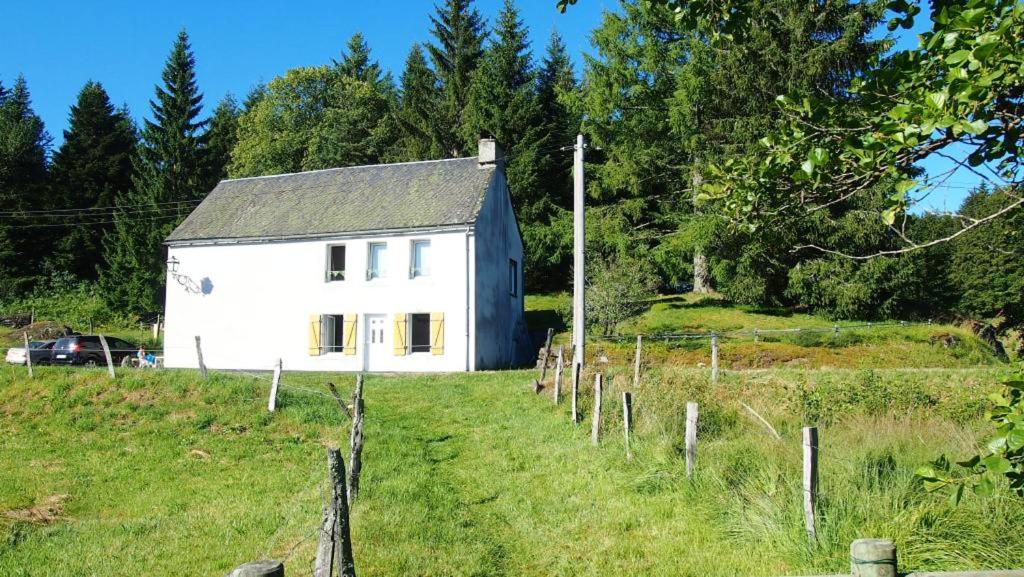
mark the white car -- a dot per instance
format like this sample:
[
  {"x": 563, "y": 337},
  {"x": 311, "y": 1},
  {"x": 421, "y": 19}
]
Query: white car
[
  {"x": 40, "y": 353},
  {"x": 16, "y": 355}
]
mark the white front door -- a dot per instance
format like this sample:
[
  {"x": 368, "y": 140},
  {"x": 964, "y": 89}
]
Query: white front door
[{"x": 376, "y": 346}]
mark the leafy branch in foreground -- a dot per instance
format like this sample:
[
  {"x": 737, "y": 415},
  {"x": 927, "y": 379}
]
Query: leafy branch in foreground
[{"x": 1005, "y": 451}]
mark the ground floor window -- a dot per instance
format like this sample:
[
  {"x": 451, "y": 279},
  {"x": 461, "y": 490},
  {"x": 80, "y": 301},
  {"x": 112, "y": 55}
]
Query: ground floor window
[
  {"x": 419, "y": 333},
  {"x": 333, "y": 329}
]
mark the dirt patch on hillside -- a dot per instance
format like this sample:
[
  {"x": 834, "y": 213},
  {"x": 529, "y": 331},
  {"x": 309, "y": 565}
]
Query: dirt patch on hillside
[{"x": 48, "y": 510}]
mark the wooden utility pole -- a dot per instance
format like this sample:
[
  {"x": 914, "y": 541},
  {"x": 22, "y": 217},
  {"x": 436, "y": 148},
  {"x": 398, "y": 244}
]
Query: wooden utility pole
[{"x": 578, "y": 246}]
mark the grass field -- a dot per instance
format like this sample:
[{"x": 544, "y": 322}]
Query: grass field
[
  {"x": 913, "y": 346},
  {"x": 160, "y": 473}
]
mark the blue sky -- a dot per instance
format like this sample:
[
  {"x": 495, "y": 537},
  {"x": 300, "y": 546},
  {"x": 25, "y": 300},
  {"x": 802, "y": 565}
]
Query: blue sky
[{"x": 61, "y": 44}]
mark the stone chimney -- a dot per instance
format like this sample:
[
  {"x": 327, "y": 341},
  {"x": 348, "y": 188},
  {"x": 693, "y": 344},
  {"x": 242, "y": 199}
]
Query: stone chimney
[{"x": 490, "y": 154}]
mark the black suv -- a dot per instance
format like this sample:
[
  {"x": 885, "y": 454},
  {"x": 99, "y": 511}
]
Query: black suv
[{"x": 87, "y": 350}]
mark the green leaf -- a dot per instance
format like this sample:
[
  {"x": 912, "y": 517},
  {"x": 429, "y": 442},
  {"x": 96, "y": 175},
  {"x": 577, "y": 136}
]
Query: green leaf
[
  {"x": 925, "y": 472},
  {"x": 1015, "y": 439},
  {"x": 808, "y": 167},
  {"x": 984, "y": 487},
  {"x": 889, "y": 216},
  {"x": 974, "y": 127},
  {"x": 958, "y": 57},
  {"x": 937, "y": 99},
  {"x": 996, "y": 464},
  {"x": 904, "y": 185},
  {"x": 957, "y": 495},
  {"x": 818, "y": 156}
]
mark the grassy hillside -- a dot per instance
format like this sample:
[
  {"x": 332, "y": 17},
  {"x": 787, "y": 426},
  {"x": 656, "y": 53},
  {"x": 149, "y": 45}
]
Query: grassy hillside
[
  {"x": 472, "y": 474},
  {"x": 913, "y": 346}
]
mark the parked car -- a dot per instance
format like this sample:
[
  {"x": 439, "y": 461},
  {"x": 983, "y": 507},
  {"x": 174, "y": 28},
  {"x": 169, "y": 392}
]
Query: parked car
[
  {"x": 41, "y": 351},
  {"x": 87, "y": 350}
]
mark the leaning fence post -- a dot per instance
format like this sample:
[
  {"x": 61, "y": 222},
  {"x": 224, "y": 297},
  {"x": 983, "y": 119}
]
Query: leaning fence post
[
  {"x": 636, "y": 360},
  {"x": 576, "y": 370},
  {"x": 272, "y": 403},
  {"x": 873, "y": 558},
  {"x": 714, "y": 357},
  {"x": 691, "y": 438},
  {"x": 627, "y": 419},
  {"x": 199, "y": 356},
  {"x": 106, "y": 353},
  {"x": 547, "y": 354},
  {"x": 356, "y": 441},
  {"x": 558, "y": 373},
  {"x": 334, "y": 549},
  {"x": 810, "y": 480},
  {"x": 595, "y": 426},
  {"x": 28, "y": 355}
]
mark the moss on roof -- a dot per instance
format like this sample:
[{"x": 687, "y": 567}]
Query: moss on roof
[{"x": 341, "y": 200}]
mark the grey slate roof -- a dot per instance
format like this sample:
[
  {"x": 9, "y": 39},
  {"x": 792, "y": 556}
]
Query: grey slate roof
[{"x": 340, "y": 200}]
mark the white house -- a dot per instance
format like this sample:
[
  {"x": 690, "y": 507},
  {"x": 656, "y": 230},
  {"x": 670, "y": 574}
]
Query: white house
[{"x": 396, "y": 267}]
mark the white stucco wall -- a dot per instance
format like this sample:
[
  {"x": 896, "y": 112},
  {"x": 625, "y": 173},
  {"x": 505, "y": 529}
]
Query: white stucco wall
[{"x": 260, "y": 297}]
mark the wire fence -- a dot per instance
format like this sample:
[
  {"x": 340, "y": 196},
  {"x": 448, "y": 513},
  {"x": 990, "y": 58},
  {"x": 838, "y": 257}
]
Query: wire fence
[{"x": 755, "y": 333}]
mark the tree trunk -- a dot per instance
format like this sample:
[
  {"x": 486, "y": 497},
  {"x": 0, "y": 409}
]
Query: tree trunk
[{"x": 701, "y": 275}]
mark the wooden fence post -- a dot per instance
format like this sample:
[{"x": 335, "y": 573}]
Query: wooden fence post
[
  {"x": 691, "y": 438},
  {"x": 547, "y": 354},
  {"x": 714, "y": 358},
  {"x": 272, "y": 403},
  {"x": 576, "y": 370},
  {"x": 636, "y": 360},
  {"x": 356, "y": 441},
  {"x": 199, "y": 355},
  {"x": 595, "y": 426},
  {"x": 627, "y": 419},
  {"x": 559, "y": 367},
  {"x": 757, "y": 335},
  {"x": 810, "y": 480},
  {"x": 106, "y": 353},
  {"x": 28, "y": 355},
  {"x": 835, "y": 331},
  {"x": 874, "y": 558},
  {"x": 334, "y": 550}
]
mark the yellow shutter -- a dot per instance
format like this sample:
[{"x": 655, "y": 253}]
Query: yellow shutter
[
  {"x": 437, "y": 333},
  {"x": 349, "y": 333},
  {"x": 401, "y": 322},
  {"x": 314, "y": 335}
]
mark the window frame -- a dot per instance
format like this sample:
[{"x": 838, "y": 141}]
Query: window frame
[
  {"x": 329, "y": 273},
  {"x": 415, "y": 272},
  {"x": 513, "y": 277},
  {"x": 332, "y": 335},
  {"x": 380, "y": 271},
  {"x": 418, "y": 349}
]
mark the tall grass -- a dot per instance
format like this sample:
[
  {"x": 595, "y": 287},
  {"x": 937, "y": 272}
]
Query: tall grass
[{"x": 473, "y": 474}]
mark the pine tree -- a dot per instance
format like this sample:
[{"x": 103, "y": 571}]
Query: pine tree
[
  {"x": 556, "y": 83},
  {"x": 459, "y": 31},
  {"x": 417, "y": 110},
  {"x": 502, "y": 103},
  {"x": 172, "y": 172},
  {"x": 355, "y": 61},
  {"x": 221, "y": 137},
  {"x": 24, "y": 143}
]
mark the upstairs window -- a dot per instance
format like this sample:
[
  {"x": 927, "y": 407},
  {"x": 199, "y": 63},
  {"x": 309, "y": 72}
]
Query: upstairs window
[
  {"x": 513, "y": 277},
  {"x": 375, "y": 261},
  {"x": 420, "y": 259},
  {"x": 419, "y": 333},
  {"x": 336, "y": 262}
]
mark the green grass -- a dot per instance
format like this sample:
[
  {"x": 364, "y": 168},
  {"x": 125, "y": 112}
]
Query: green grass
[
  {"x": 856, "y": 347},
  {"x": 473, "y": 474}
]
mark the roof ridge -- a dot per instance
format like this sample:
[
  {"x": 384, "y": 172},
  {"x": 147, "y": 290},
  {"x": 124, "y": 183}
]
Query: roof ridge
[{"x": 347, "y": 168}]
